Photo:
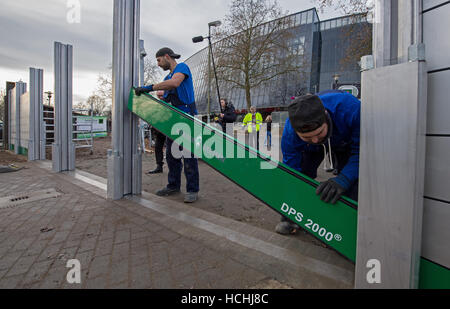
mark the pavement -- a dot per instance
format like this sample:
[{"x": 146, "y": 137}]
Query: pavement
[{"x": 142, "y": 241}]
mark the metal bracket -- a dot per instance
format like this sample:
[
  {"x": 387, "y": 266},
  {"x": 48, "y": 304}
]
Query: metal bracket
[
  {"x": 416, "y": 52},
  {"x": 367, "y": 63}
]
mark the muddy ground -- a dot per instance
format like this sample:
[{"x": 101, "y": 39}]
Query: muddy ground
[{"x": 7, "y": 158}]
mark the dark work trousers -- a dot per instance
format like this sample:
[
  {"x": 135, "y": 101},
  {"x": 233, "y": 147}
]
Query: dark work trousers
[
  {"x": 312, "y": 160},
  {"x": 160, "y": 140},
  {"x": 175, "y": 168}
]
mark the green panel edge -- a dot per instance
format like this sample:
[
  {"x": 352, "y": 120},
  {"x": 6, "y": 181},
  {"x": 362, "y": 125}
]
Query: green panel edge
[
  {"x": 433, "y": 276},
  {"x": 22, "y": 151}
]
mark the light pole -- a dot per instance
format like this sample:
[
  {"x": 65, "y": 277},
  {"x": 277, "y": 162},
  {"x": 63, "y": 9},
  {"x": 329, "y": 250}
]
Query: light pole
[{"x": 199, "y": 39}]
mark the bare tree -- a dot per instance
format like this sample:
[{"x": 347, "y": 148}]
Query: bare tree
[
  {"x": 104, "y": 85},
  {"x": 98, "y": 104},
  {"x": 152, "y": 75},
  {"x": 255, "y": 46},
  {"x": 152, "y": 72},
  {"x": 358, "y": 35},
  {"x": 347, "y": 6}
]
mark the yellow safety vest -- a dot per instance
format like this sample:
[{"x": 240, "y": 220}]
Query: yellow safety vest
[{"x": 248, "y": 121}]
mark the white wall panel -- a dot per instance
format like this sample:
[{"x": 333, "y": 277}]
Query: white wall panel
[
  {"x": 436, "y": 232},
  {"x": 437, "y": 169},
  {"x": 436, "y": 26},
  {"x": 439, "y": 103},
  {"x": 25, "y": 120},
  {"x": 427, "y": 4}
]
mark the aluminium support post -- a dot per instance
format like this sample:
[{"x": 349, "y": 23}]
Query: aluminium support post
[
  {"x": 21, "y": 88},
  {"x": 124, "y": 159},
  {"x": 63, "y": 148},
  {"x": 393, "y": 151},
  {"x": 142, "y": 56},
  {"x": 36, "y": 147}
]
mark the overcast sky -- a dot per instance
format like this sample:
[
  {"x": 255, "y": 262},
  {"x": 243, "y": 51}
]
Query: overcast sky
[{"x": 28, "y": 29}]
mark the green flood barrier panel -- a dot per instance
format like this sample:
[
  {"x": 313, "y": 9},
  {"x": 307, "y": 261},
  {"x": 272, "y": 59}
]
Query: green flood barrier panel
[
  {"x": 280, "y": 187},
  {"x": 283, "y": 189}
]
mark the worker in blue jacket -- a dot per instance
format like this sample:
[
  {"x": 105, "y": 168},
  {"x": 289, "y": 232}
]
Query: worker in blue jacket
[
  {"x": 321, "y": 126},
  {"x": 178, "y": 90}
]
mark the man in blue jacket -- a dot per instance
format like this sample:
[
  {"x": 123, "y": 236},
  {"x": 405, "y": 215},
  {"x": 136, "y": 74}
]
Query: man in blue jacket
[
  {"x": 179, "y": 91},
  {"x": 319, "y": 126}
]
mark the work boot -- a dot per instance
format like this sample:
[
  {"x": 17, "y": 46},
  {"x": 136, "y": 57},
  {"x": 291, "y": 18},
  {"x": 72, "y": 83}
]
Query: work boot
[
  {"x": 167, "y": 192},
  {"x": 287, "y": 228},
  {"x": 190, "y": 197},
  {"x": 158, "y": 170}
]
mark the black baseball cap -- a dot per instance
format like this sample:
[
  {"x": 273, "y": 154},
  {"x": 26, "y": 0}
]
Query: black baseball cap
[
  {"x": 307, "y": 113},
  {"x": 167, "y": 51}
]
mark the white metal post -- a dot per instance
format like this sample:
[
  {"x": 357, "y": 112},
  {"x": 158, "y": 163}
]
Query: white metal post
[
  {"x": 393, "y": 145},
  {"x": 63, "y": 148},
  {"x": 20, "y": 89},
  {"x": 35, "y": 148},
  {"x": 124, "y": 159}
]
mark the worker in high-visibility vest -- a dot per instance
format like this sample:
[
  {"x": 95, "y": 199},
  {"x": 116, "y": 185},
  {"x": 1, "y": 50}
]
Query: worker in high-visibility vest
[{"x": 253, "y": 122}]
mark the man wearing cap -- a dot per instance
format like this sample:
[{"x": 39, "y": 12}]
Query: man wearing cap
[
  {"x": 321, "y": 126},
  {"x": 179, "y": 91}
]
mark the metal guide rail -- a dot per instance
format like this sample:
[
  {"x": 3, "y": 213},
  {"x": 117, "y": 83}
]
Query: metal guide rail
[{"x": 280, "y": 187}]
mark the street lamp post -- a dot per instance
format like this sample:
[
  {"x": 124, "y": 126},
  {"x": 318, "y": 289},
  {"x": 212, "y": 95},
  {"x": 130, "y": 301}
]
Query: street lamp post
[{"x": 210, "y": 56}]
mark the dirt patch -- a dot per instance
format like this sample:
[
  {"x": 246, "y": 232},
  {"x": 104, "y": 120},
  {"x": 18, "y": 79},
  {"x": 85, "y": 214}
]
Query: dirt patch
[{"x": 7, "y": 158}]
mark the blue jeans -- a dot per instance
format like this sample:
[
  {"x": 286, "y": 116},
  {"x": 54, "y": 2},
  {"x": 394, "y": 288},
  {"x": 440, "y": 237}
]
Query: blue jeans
[
  {"x": 268, "y": 139},
  {"x": 176, "y": 166}
]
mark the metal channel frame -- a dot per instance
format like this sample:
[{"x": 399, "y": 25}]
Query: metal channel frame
[
  {"x": 36, "y": 148},
  {"x": 125, "y": 159},
  {"x": 389, "y": 229},
  {"x": 63, "y": 147},
  {"x": 20, "y": 89}
]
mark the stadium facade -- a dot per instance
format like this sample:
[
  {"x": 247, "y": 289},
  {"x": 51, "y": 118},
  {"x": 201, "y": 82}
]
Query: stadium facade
[{"x": 322, "y": 45}]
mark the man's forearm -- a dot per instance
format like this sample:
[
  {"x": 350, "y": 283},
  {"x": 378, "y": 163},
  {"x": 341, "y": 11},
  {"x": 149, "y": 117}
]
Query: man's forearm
[{"x": 165, "y": 85}]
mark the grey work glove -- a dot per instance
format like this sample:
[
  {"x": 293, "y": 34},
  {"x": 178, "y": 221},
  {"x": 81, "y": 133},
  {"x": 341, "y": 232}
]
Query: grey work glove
[
  {"x": 330, "y": 191},
  {"x": 140, "y": 90}
]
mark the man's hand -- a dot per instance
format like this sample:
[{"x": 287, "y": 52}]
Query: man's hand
[
  {"x": 140, "y": 90},
  {"x": 160, "y": 94},
  {"x": 330, "y": 191},
  {"x": 222, "y": 115}
]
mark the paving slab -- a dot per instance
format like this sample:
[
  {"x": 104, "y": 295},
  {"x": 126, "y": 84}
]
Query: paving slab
[{"x": 144, "y": 242}]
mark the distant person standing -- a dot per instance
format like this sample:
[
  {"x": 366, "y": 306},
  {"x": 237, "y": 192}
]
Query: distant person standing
[
  {"x": 179, "y": 91},
  {"x": 228, "y": 114},
  {"x": 253, "y": 121},
  {"x": 268, "y": 141}
]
